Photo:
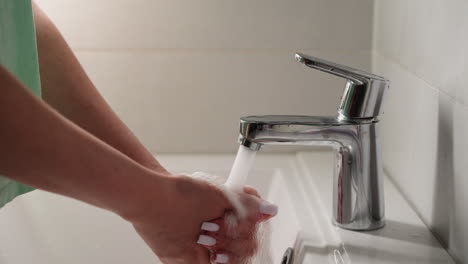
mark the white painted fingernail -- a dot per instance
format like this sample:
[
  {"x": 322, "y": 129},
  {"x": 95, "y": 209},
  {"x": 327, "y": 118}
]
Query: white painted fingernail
[
  {"x": 212, "y": 227},
  {"x": 268, "y": 208},
  {"x": 206, "y": 240},
  {"x": 222, "y": 258}
]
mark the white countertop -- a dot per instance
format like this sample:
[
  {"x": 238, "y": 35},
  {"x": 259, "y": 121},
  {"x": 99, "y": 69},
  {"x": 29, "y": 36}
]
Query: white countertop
[{"x": 43, "y": 228}]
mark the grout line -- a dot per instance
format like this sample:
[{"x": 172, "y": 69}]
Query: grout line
[{"x": 432, "y": 87}]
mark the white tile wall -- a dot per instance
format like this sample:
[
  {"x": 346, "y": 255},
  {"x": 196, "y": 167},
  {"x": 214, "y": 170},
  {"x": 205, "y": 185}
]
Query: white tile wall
[
  {"x": 407, "y": 152},
  {"x": 429, "y": 39},
  {"x": 192, "y": 101},
  {"x": 421, "y": 47},
  {"x": 181, "y": 73},
  {"x": 207, "y": 24}
]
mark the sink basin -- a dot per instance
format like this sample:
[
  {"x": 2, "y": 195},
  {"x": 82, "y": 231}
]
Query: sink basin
[{"x": 44, "y": 228}]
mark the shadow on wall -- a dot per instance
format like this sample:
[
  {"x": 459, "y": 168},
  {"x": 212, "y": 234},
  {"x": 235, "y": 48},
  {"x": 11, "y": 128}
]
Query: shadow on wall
[{"x": 444, "y": 198}]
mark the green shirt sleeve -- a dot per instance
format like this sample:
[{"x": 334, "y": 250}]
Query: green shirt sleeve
[{"x": 18, "y": 53}]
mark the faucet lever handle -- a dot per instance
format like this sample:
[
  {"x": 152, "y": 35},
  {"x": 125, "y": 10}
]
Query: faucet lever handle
[{"x": 363, "y": 95}]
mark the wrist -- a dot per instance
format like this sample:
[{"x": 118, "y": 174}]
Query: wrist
[
  {"x": 152, "y": 164},
  {"x": 148, "y": 196}
]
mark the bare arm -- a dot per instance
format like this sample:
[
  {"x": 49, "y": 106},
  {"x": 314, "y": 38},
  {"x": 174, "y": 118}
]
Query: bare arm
[
  {"x": 41, "y": 148},
  {"x": 67, "y": 88}
]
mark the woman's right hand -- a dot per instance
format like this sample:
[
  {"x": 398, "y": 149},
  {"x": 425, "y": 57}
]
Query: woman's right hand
[{"x": 171, "y": 222}]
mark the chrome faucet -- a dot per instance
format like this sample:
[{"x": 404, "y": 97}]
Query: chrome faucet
[{"x": 358, "y": 201}]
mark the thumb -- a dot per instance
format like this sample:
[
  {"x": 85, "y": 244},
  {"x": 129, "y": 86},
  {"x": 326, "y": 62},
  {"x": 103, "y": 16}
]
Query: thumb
[
  {"x": 260, "y": 210},
  {"x": 267, "y": 210}
]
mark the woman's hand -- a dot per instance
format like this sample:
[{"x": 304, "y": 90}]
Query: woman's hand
[
  {"x": 185, "y": 223},
  {"x": 170, "y": 222},
  {"x": 236, "y": 235}
]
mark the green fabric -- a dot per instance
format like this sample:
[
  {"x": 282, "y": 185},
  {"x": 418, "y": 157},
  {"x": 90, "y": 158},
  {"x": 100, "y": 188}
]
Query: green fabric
[{"x": 18, "y": 53}]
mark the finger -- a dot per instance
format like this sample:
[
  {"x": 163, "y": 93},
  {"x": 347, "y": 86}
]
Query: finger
[
  {"x": 230, "y": 226},
  {"x": 267, "y": 210},
  {"x": 258, "y": 210},
  {"x": 220, "y": 242},
  {"x": 207, "y": 241},
  {"x": 197, "y": 255},
  {"x": 240, "y": 246},
  {"x": 252, "y": 191},
  {"x": 202, "y": 255},
  {"x": 221, "y": 257},
  {"x": 224, "y": 256},
  {"x": 216, "y": 225},
  {"x": 243, "y": 231},
  {"x": 220, "y": 227}
]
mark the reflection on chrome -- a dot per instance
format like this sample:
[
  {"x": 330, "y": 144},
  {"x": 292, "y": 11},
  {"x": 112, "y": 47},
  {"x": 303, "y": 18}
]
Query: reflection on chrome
[{"x": 358, "y": 202}]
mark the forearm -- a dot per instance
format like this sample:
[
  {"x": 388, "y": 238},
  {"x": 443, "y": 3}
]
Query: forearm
[
  {"x": 67, "y": 88},
  {"x": 42, "y": 149}
]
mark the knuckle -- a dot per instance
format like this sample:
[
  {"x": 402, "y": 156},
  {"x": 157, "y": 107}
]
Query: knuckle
[{"x": 252, "y": 249}]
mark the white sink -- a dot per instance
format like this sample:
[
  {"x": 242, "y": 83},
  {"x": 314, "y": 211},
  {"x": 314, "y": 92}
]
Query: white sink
[{"x": 43, "y": 228}]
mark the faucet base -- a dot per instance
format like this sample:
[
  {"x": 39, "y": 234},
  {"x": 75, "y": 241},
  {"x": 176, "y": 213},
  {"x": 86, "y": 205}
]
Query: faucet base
[{"x": 353, "y": 227}]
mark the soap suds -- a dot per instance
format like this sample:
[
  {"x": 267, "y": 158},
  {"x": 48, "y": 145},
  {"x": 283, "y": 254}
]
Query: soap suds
[{"x": 231, "y": 219}]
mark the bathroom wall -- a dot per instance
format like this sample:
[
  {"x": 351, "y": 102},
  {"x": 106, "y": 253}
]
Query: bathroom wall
[
  {"x": 422, "y": 47},
  {"x": 181, "y": 73}
]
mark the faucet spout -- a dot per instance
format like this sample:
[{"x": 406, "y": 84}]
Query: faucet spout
[{"x": 358, "y": 192}]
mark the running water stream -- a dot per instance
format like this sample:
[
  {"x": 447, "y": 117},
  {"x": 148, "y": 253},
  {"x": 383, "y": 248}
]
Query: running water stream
[
  {"x": 240, "y": 168},
  {"x": 232, "y": 188},
  {"x": 235, "y": 182}
]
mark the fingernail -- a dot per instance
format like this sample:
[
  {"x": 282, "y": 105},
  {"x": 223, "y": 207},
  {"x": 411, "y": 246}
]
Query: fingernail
[
  {"x": 222, "y": 258},
  {"x": 206, "y": 240},
  {"x": 268, "y": 208},
  {"x": 212, "y": 227}
]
